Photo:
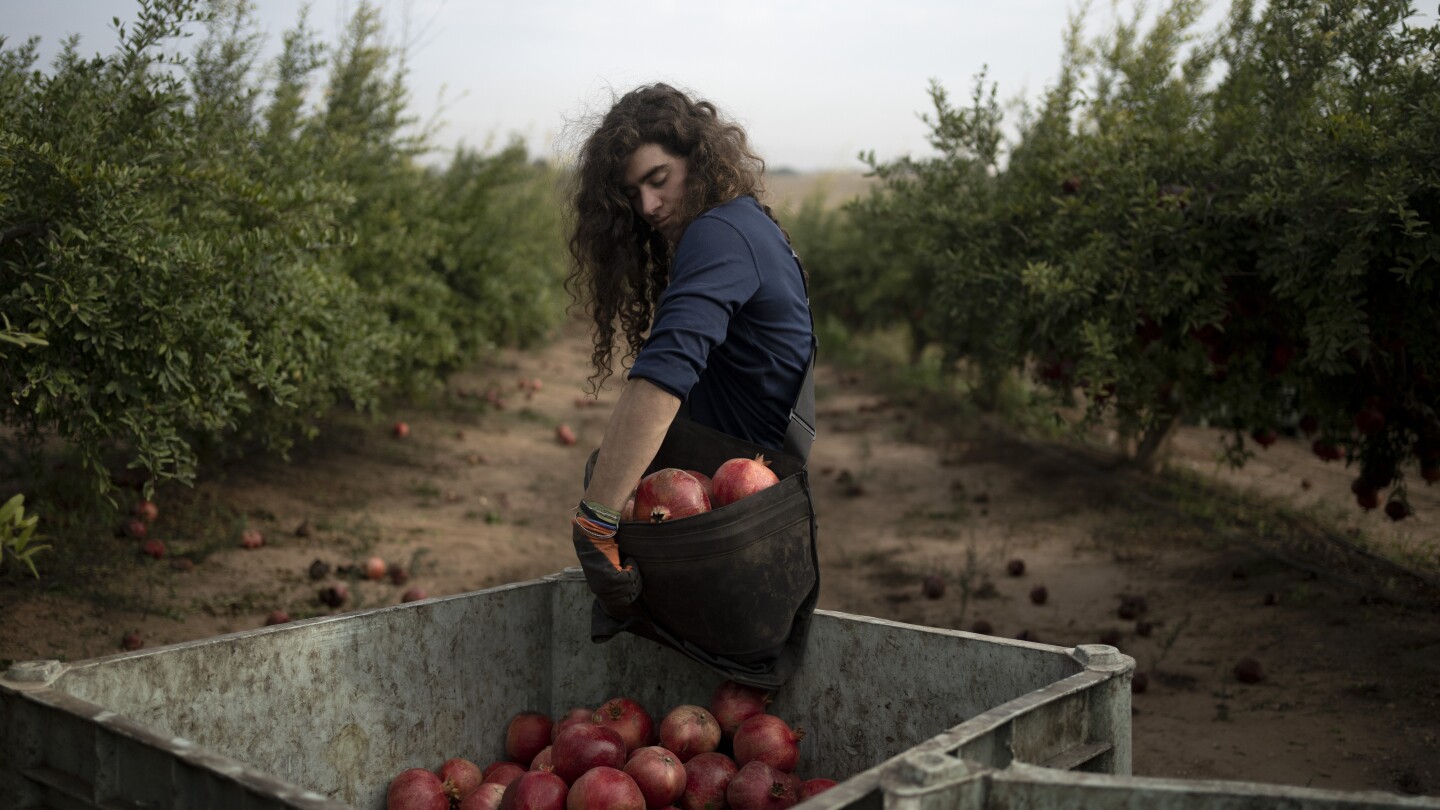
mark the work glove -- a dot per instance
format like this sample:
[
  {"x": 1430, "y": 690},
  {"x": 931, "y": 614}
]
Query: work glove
[{"x": 616, "y": 586}]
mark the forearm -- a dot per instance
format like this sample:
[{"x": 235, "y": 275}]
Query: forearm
[{"x": 642, "y": 416}]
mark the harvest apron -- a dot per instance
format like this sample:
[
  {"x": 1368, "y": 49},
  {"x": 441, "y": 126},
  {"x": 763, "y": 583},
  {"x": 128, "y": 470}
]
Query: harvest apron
[{"x": 733, "y": 588}]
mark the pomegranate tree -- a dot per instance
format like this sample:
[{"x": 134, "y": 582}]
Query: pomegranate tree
[{"x": 670, "y": 494}]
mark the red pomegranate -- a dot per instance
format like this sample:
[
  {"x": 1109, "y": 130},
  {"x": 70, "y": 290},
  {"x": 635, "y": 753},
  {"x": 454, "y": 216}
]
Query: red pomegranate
[
  {"x": 570, "y": 718},
  {"x": 605, "y": 788},
  {"x": 740, "y": 478},
  {"x": 416, "y": 789},
  {"x": 707, "y": 776},
  {"x": 527, "y": 733},
  {"x": 582, "y": 747},
  {"x": 758, "y": 786},
  {"x": 703, "y": 479},
  {"x": 460, "y": 776},
  {"x": 658, "y": 773},
  {"x": 485, "y": 797},
  {"x": 628, "y": 719},
  {"x": 535, "y": 790},
  {"x": 733, "y": 703},
  {"x": 689, "y": 730},
  {"x": 542, "y": 760},
  {"x": 670, "y": 494},
  {"x": 810, "y": 787},
  {"x": 503, "y": 772},
  {"x": 768, "y": 739}
]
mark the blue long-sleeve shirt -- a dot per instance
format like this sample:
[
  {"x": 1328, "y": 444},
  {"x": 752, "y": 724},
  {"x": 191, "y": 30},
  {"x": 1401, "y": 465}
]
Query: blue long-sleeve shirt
[{"x": 732, "y": 333}]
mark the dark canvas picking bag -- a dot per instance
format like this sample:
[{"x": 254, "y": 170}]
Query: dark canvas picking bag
[{"x": 733, "y": 588}]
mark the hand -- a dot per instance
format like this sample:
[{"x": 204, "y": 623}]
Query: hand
[{"x": 614, "y": 584}]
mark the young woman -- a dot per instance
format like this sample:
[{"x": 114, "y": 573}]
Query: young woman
[{"x": 671, "y": 244}]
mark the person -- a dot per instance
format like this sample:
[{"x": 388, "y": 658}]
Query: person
[{"x": 673, "y": 248}]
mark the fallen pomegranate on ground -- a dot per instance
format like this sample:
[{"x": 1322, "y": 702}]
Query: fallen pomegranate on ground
[
  {"x": 669, "y": 494},
  {"x": 277, "y": 617},
  {"x": 251, "y": 539},
  {"x": 739, "y": 478}
]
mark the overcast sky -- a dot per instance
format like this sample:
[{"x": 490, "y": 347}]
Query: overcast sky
[{"x": 814, "y": 82}]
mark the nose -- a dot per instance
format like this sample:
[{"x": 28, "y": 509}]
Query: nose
[{"x": 649, "y": 202}]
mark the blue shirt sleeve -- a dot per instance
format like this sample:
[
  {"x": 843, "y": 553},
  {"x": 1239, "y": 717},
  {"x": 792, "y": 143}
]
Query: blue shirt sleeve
[{"x": 713, "y": 274}]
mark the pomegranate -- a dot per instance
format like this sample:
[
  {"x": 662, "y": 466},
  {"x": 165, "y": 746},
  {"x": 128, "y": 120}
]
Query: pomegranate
[
  {"x": 819, "y": 784},
  {"x": 768, "y": 739},
  {"x": 153, "y": 548},
  {"x": 628, "y": 719},
  {"x": 414, "y": 594},
  {"x": 277, "y": 617},
  {"x": 543, "y": 760},
  {"x": 707, "y": 776},
  {"x": 605, "y": 788},
  {"x": 670, "y": 494},
  {"x": 689, "y": 730},
  {"x": 565, "y": 435},
  {"x": 658, "y": 773},
  {"x": 578, "y": 714},
  {"x": 400, "y": 429},
  {"x": 376, "y": 568},
  {"x": 131, "y": 642},
  {"x": 527, "y": 734},
  {"x": 733, "y": 703},
  {"x": 334, "y": 595},
  {"x": 485, "y": 797},
  {"x": 460, "y": 777},
  {"x": 584, "y": 746},
  {"x": 251, "y": 539},
  {"x": 147, "y": 511},
  {"x": 758, "y": 786},
  {"x": 135, "y": 528},
  {"x": 416, "y": 789},
  {"x": 704, "y": 482},
  {"x": 740, "y": 478},
  {"x": 535, "y": 790},
  {"x": 503, "y": 772}
]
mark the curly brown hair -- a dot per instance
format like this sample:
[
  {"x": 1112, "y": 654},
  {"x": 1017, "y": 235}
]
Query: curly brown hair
[{"x": 621, "y": 264}]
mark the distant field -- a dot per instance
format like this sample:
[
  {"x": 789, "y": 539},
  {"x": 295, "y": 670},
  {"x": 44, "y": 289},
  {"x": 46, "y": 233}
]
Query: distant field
[{"x": 788, "y": 191}]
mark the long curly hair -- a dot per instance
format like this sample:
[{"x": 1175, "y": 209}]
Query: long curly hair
[{"x": 621, "y": 264}]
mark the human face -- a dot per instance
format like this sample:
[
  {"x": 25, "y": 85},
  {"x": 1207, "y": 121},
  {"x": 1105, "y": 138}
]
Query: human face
[{"x": 655, "y": 185}]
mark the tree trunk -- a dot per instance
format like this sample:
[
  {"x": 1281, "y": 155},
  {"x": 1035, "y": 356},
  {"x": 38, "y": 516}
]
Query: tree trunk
[{"x": 1154, "y": 445}]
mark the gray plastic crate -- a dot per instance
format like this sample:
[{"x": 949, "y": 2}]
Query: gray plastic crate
[
  {"x": 936, "y": 780},
  {"x": 322, "y": 713}
]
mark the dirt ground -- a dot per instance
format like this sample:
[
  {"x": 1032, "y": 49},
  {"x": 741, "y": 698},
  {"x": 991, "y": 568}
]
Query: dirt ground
[{"x": 478, "y": 495}]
